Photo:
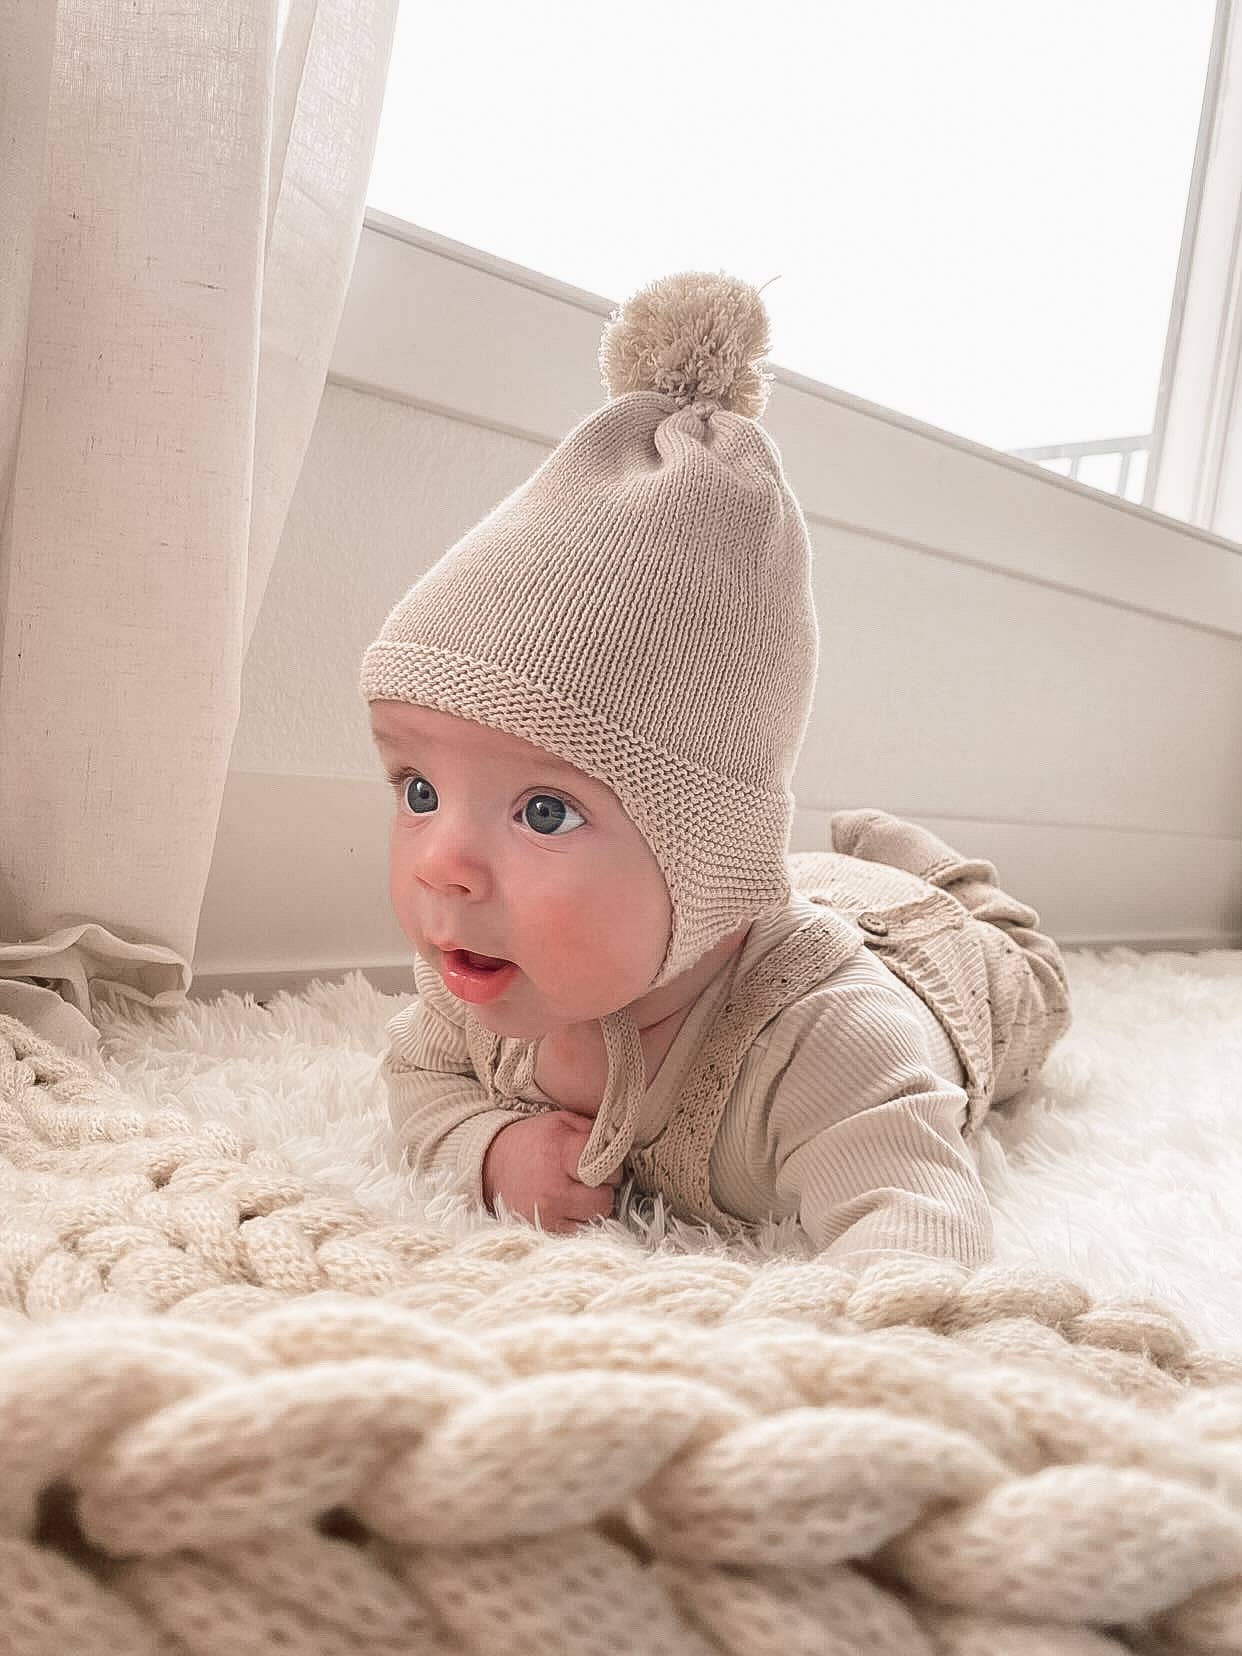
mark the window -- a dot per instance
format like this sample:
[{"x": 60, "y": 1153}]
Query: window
[{"x": 972, "y": 211}]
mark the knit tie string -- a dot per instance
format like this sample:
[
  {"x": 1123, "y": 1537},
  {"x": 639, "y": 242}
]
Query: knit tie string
[{"x": 612, "y": 1132}]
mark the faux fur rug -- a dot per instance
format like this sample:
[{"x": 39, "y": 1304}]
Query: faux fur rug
[
  {"x": 238, "y": 1412},
  {"x": 1121, "y": 1167}
]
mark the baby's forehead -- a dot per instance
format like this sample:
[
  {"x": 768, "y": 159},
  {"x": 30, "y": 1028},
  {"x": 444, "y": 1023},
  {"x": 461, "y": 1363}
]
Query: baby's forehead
[{"x": 432, "y": 731}]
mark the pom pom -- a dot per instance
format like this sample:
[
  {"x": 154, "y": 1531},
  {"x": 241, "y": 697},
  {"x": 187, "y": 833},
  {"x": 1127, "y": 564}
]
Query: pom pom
[{"x": 696, "y": 336}]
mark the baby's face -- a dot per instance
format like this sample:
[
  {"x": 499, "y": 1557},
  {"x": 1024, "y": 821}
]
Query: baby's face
[{"x": 501, "y": 848}]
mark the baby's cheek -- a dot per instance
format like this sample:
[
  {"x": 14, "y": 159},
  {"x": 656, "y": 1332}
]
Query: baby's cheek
[
  {"x": 587, "y": 944},
  {"x": 565, "y": 919}
]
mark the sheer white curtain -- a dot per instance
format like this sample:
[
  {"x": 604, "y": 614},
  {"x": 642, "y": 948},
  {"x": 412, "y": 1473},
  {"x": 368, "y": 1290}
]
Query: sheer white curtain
[
  {"x": 181, "y": 196},
  {"x": 1195, "y": 470}
]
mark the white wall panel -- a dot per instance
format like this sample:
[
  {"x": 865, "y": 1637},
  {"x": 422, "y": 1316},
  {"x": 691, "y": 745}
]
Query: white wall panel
[{"x": 1042, "y": 674}]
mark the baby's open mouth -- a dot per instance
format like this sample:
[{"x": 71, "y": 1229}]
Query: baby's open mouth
[{"x": 484, "y": 963}]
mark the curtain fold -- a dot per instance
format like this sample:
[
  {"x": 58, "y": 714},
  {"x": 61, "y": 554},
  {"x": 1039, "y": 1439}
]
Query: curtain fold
[{"x": 181, "y": 197}]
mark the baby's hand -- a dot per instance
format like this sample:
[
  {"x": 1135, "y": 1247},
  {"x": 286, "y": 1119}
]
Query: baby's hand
[{"x": 532, "y": 1163}]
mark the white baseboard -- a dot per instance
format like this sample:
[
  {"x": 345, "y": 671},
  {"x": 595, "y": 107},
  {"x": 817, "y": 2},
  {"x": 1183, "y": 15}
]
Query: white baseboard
[
  {"x": 397, "y": 978},
  {"x": 299, "y": 884}
]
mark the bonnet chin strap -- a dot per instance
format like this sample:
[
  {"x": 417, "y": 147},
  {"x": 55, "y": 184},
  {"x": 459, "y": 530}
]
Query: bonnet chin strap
[{"x": 617, "y": 1117}]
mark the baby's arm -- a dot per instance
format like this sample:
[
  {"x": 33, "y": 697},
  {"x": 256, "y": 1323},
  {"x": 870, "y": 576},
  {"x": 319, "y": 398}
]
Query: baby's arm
[
  {"x": 866, "y": 1139},
  {"x": 439, "y": 1108},
  {"x": 444, "y": 1123}
]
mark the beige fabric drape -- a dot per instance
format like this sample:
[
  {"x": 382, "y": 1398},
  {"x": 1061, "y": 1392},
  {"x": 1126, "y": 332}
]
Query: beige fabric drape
[{"x": 181, "y": 196}]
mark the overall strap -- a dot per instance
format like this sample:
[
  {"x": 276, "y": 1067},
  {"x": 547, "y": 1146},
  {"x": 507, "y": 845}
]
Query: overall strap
[{"x": 677, "y": 1162}]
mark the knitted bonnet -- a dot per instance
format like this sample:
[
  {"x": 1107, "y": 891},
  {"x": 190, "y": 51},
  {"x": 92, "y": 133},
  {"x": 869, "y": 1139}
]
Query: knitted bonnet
[{"x": 641, "y": 607}]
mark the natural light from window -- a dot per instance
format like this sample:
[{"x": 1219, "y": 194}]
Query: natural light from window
[{"x": 973, "y": 210}]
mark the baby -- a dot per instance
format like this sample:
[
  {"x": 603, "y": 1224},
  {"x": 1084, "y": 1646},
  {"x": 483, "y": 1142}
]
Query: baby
[
  {"x": 849, "y": 1104},
  {"x": 590, "y": 709}
]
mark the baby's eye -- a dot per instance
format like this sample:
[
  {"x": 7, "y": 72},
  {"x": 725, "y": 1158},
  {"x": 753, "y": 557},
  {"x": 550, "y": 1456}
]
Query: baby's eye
[
  {"x": 544, "y": 812},
  {"x": 547, "y": 811}
]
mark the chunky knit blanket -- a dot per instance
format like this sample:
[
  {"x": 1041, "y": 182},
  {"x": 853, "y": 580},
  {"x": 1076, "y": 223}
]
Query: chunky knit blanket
[{"x": 238, "y": 1415}]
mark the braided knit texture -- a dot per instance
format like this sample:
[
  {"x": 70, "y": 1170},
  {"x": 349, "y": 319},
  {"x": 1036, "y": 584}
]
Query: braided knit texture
[{"x": 237, "y": 1414}]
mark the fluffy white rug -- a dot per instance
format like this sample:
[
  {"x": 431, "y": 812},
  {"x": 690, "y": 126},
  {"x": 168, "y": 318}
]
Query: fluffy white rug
[{"x": 1121, "y": 1166}]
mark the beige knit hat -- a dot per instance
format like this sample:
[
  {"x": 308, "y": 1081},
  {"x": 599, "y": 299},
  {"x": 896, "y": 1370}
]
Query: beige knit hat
[{"x": 641, "y": 607}]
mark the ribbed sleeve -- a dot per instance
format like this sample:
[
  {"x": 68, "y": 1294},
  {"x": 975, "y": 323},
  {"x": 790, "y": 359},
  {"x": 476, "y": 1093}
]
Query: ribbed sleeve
[
  {"x": 440, "y": 1110},
  {"x": 864, "y": 1136}
]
